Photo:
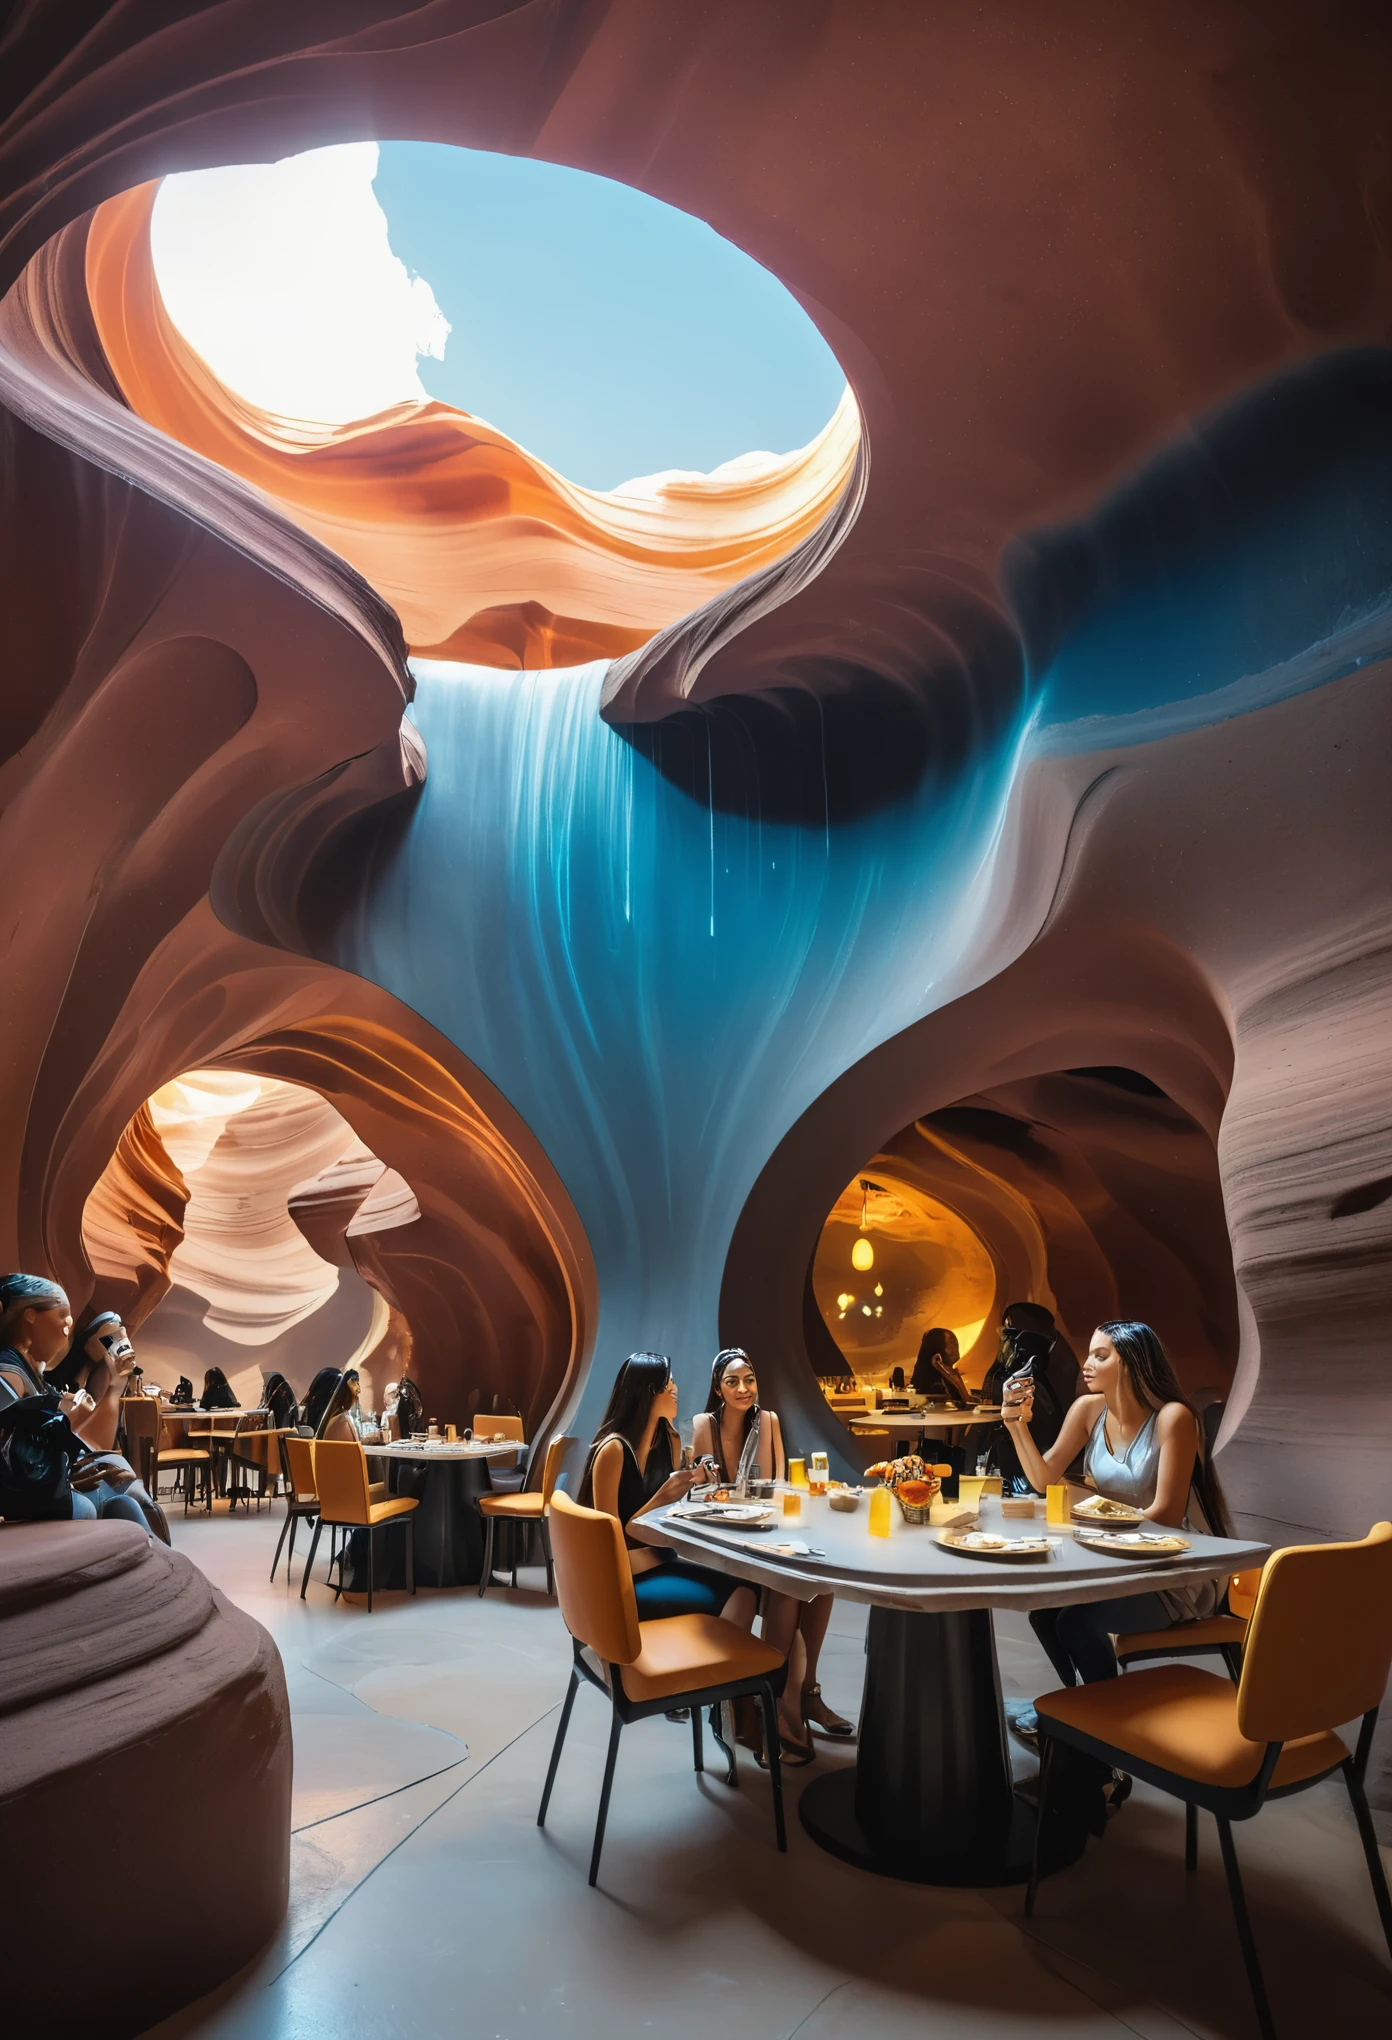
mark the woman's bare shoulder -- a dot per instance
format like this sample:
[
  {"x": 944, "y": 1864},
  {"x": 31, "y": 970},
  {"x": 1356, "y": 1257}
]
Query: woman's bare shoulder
[{"x": 1176, "y": 1420}]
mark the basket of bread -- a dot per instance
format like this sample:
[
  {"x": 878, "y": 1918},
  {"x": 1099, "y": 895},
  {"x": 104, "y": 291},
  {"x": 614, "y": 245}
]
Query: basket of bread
[{"x": 913, "y": 1483}]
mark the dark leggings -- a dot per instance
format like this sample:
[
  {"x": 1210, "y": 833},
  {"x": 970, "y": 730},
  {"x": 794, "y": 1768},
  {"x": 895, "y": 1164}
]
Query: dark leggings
[{"x": 1078, "y": 1640}]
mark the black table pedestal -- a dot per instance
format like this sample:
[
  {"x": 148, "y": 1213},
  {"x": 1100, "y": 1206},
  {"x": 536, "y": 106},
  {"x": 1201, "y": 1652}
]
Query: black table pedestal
[
  {"x": 448, "y": 1528},
  {"x": 930, "y": 1798}
]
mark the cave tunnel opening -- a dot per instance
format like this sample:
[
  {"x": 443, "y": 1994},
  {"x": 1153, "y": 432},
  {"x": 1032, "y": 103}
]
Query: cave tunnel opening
[
  {"x": 243, "y": 1223},
  {"x": 1087, "y": 1190}
]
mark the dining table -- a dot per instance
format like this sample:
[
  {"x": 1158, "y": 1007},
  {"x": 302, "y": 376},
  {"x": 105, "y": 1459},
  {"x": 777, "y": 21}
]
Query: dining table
[
  {"x": 931, "y": 1796},
  {"x": 447, "y": 1479}
]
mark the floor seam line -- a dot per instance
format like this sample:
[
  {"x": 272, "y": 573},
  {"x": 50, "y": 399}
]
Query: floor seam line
[
  {"x": 823, "y": 1999},
  {"x": 414, "y": 1829},
  {"x": 380, "y": 1798}
]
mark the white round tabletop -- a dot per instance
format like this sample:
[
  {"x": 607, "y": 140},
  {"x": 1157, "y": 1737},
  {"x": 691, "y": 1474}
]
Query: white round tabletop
[
  {"x": 410, "y": 1448},
  {"x": 914, "y": 1421},
  {"x": 911, "y": 1570}
]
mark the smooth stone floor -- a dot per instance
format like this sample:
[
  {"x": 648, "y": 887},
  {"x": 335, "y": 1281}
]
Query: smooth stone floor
[{"x": 425, "y": 1901}]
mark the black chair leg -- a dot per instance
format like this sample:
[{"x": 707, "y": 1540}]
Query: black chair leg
[
  {"x": 1191, "y": 1835},
  {"x": 486, "y": 1576},
  {"x": 1368, "y": 1837},
  {"x": 284, "y": 1533},
  {"x": 571, "y": 1692},
  {"x": 515, "y": 1533},
  {"x": 313, "y": 1547},
  {"x": 1232, "y": 1658},
  {"x": 716, "y": 1723},
  {"x": 770, "y": 1706},
  {"x": 1046, "y": 1772},
  {"x": 1244, "y": 1931},
  {"x": 411, "y": 1554},
  {"x": 550, "y": 1568},
  {"x": 290, "y": 1555},
  {"x": 698, "y": 1749},
  {"x": 371, "y": 1540},
  {"x": 615, "y": 1730}
]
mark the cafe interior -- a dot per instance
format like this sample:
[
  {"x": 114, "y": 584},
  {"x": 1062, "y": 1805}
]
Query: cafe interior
[{"x": 697, "y": 1171}]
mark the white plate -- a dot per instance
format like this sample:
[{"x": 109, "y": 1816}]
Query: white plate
[
  {"x": 1115, "y": 1512},
  {"x": 1132, "y": 1544},
  {"x": 744, "y": 1515},
  {"x": 1017, "y": 1550}
]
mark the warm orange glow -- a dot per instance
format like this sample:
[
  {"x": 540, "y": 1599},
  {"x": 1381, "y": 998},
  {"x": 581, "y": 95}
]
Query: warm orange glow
[{"x": 862, "y": 1255}]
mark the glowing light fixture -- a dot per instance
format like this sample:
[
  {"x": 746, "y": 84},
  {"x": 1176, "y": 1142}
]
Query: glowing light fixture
[
  {"x": 865, "y": 1309},
  {"x": 879, "y": 1289},
  {"x": 862, "y": 1256},
  {"x": 844, "y": 1301}
]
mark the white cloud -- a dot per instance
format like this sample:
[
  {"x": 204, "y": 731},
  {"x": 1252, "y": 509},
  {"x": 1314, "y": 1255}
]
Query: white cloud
[{"x": 283, "y": 278}]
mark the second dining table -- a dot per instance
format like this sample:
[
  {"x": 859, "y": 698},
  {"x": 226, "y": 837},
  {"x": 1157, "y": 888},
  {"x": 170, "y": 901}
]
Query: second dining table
[
  {"x": 931, "y": 1796},
  {"x": 446, "y": 1479}
]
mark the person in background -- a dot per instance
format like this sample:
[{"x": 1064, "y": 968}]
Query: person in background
[
  {"x": 935, "y": 1369},
  {"x": 278, "y": 1397},
  {"x": 1140, "y": 1442},
  {"x": 99, "y": 1362},
  {"x": 734, "y": 1430},
  {"x": 217, "y": 1393},
  {"x": 318, "y": 1396},
  {"x": 896, "y": 1380},
  {"x": 35, "y": 1335},
  {"x": 341, "y": 1422}
]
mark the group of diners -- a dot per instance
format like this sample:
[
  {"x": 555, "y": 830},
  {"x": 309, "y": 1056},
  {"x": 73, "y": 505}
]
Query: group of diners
[{"x": 1131, "y": 1430}]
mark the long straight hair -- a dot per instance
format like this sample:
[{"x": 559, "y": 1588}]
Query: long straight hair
[
  {"x": 637, "y": 1385},
  {"x": 715, "y": 1402},
  {"x": 1154, "y": 1382}
]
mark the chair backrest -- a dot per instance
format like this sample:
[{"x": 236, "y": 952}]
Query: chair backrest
[
  {"x": 1319, "y": 1644},
  {"x": 593, "y": 1583},
  {"x": 493, "y": 1427},
  {"x": 140, "y": 1418},
  {"x": 1242, "y": 1591},
  {"x": 298, "y": 1457},
  {"x": 555, "y": 1453},
  {"x": 340, "y": 1475}
]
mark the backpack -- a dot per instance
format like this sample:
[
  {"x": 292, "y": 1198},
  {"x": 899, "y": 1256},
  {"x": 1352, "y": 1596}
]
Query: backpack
[{"x": 38, "y": 1446}]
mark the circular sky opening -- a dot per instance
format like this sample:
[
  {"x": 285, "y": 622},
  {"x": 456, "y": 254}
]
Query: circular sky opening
[{"x": 609, "y": 334}]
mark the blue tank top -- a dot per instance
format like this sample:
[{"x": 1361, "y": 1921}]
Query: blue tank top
[{"x": 1128, "y": 1476}]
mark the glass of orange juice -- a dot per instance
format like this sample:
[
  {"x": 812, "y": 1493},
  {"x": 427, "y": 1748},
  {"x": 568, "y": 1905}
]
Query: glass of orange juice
[
  {"x": 818, "y": 1473},
  {"x": 792, "y": 1503},
  {"x": 797, "y": 1473}
]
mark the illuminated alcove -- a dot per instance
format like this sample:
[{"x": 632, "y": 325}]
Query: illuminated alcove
[{"x": 1088, "y": 1191}]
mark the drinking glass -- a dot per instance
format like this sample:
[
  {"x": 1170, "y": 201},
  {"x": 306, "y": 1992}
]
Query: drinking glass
[{"x": 797, "y": 1473}]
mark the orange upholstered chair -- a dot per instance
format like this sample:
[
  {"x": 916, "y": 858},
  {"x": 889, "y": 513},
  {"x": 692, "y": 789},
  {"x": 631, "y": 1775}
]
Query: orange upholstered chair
[
  {"x": 1222, "y": 1634},
  {"x": 1318, "y": 1652},
  {"x": 346, "y": 1502},
  {"x": 143, "y": 1423},
  {"x": 647, "y": 1668},
  {"x": 530, "y": 1507}
]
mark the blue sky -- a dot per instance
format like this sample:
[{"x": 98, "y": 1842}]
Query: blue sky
[{"x": 607, "y": 332}]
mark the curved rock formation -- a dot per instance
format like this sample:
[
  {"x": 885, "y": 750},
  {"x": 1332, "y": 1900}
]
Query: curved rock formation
[
  {"x": 133, "y": 1221},
  {"x": 485, "y": 553},
  {"x": 129, "y": 1687},
  {"x": 1068, "y": 754}
]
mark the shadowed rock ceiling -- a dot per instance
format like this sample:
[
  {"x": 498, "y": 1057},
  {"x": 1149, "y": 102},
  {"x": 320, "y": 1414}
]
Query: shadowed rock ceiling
[{"x": 1058, "y": 745}]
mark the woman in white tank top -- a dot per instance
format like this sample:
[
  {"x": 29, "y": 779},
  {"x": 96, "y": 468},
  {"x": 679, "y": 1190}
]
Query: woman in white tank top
[{"x": 737, "y": 1434}]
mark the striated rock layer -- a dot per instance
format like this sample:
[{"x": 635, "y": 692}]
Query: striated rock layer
[{"x": 1058, "y": 745}]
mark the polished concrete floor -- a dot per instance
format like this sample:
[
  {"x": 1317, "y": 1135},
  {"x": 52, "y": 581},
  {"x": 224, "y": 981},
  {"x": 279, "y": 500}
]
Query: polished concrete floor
[{"x": 424, "y": 1899}]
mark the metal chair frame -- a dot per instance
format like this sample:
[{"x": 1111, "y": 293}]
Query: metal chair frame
[
  {"x": 1227, "y": 1804},
  {"x": 296, "y": 1512},
  {"x": 624, "y": 1711}
]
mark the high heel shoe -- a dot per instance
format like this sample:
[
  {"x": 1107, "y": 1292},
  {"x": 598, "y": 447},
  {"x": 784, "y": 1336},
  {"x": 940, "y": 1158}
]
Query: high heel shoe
[
  {"x": 827, "y": 1721},
  {"x": 794, "y": 1755}
]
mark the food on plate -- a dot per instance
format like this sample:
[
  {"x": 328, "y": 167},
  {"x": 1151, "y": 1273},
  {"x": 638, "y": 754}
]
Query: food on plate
[
  {"x": 982, "y": 1540},
  {"x": 1101, "y": 1507},
  {"x": 916, "y": 1491},
  {"x": 909, "y": 1467}
]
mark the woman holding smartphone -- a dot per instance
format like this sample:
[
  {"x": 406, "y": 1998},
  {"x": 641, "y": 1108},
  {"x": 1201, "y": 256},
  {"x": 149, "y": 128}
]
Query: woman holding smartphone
[
  {"x": 734, "y": 1432},
  {"x": 1139, "y": 1438}
]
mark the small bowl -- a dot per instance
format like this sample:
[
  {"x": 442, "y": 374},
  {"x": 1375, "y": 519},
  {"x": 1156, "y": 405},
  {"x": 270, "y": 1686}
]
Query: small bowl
[{"x": 845, "y": 1501}]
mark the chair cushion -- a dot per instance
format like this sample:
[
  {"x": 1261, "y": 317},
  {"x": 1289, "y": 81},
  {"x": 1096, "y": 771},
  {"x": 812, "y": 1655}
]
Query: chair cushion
[
  {"x": 528, "y": 1505},
  {"x": 1212, "y": 1631},
  {"x": 397, "y": 1505},
  {"x": 1183, "y": 1720},
  {"x": 683, "y": 1653},
  {"x": 178, "y": 1456}
]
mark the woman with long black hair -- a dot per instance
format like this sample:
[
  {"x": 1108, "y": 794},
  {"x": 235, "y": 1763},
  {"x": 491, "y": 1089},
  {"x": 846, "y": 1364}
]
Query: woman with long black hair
[
  {"x": 635, "y": 1465},
  {"x": 218, "y": 1392},
  {"x": 739, "y": 1434},
  {"x": 1141, "y": 1444}
]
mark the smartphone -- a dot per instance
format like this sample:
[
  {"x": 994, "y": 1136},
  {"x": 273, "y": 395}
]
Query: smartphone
[{"x": 1022, "y": 1376}]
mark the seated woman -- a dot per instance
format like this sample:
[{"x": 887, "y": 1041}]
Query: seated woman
[
  {"x": 279, "y": 1399},
  {"x": 218, "y": 1393},
  {"x": 635, "y": 1465},
  {"x": 1140, "y": 1441},
  {"x": 935, "y": 1369},
  {"x": 35, "y": 1332},
  {"x": 735, "y": 1432},
  {"x": 340, "y": 1418}
]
